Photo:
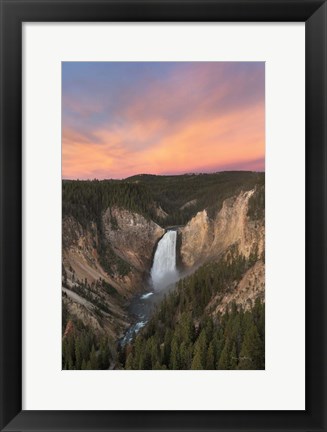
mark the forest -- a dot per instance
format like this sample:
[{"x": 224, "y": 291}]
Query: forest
[
  {"x": 144, "y": 194},
  {"x": 81, "y": 348},
  {"x": 185, "y": 334},
  {"x": 185, "y": 330}
]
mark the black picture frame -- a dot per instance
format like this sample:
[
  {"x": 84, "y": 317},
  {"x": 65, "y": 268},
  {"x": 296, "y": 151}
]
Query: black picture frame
[{"x": 16, "y": 12}]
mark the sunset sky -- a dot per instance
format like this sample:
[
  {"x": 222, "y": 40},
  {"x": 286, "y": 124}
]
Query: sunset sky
[{"x": 121, "y": 119}]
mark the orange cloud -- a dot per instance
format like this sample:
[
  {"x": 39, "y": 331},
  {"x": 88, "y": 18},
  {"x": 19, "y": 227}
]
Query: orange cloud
[
  {"x": 196, "y": 145},
  {"x": 198, "y": 117}
]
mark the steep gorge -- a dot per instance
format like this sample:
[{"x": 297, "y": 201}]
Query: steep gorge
[
  {"x": 107, "y": 259},
  {"x": 106, "y": 265},
  {"x": 204, "y": 240}
]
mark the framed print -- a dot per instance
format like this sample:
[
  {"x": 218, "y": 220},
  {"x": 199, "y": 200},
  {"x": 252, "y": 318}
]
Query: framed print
[{"x": 163, "y": 215}]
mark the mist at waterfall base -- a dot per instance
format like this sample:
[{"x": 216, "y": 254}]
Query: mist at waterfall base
[{"x": 163, "y": 277}]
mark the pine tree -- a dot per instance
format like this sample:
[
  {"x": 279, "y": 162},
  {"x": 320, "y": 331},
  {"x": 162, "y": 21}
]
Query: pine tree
[
  {"x": 104, "y": 354},
  {"x": 210, "y": 363},
  {"x": 93, "y": 359},
  {"x": 130, "y": 361},
  {"x": 174, "y": 356},
  {"x": 233, "y": 358},
  {"x": 224, "y": 360},
  {"x": 251, "y": 354},
  {"x": 78, "y": 353},
  {"x": 185, "y": 354},
  {"x": 187, "y": 327},
  {"x": 197, "y": 360},
  {"x": 201, "y": 345},
  {"x": 200, "y": 352}
]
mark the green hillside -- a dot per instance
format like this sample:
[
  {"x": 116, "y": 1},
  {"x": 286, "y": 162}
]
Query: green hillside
[
  {"x": 181, "y": 197},
  {"x": 183, "y": 334}
]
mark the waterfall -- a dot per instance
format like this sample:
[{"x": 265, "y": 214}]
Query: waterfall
[
  {"x": 163, "y": 275},
  {"x": 164, "y": 272}
]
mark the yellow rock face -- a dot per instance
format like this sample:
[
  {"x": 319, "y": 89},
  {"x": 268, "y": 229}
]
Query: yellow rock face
[{"x": 204, "y": 238}]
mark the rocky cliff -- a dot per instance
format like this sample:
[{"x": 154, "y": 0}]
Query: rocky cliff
[
  {"x": 105, "y": 265},
  {"x": 205, "y": 238},
  {"x": 131, "y": 236},
  {"x": 107, "y": 261},
  {"x": 243, "y": 293}
]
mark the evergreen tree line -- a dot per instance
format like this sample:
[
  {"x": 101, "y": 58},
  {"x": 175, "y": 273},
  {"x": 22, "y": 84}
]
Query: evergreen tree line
[
  {"x": 234, "y": 340},
  {"x": 256, "y": 207},
  {"x": 207, "y": 191},
  {"x": 183, "y": 334},
  {"x": 85, "y": 200},
  {"x": 143, "y": 194},
  {"x": 81, "y": 348}
]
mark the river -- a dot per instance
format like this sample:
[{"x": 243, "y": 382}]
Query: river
[{"x": 163, "y": 277}]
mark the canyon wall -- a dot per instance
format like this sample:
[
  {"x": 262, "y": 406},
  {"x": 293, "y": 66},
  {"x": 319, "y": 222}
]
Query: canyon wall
[
  {"x": 105, "y": 266},
  {"x": 106, "y": 263},
  {"x": 131, "y": 236},
  {"x": 205, "y": 238}
]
